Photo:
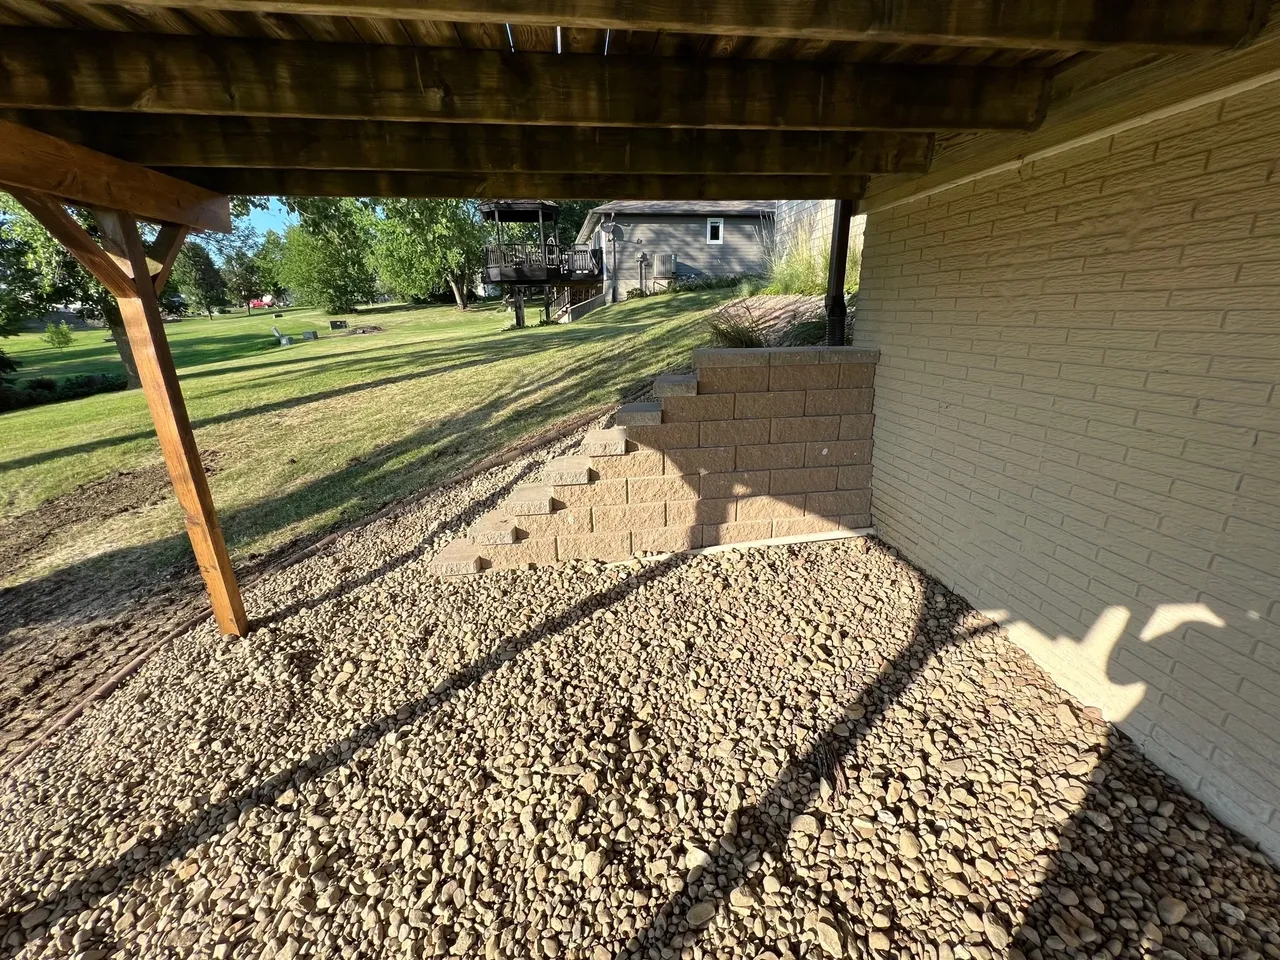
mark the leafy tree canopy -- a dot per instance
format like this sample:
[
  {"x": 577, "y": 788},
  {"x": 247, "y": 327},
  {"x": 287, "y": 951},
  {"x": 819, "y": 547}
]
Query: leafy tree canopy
[
  {"x": 422, "y": 247},
  {"x": 326, "y": 261},
  {"x": 198, "y": 279},
  {"x": 269, "y": 258},
  {"x": 242, "y": 276}
]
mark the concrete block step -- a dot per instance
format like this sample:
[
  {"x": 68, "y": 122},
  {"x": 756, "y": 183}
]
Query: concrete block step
[
  {"x": 676, "y": 385},
  {"x": 530, "y": 500},
  {"x": 604, "y": 443},
  {"x": 493, "y": 529},
  {"x": 639, "y": 414},
  {"x": 458, "y": 559},
  {"x": 567, "y": 471}
]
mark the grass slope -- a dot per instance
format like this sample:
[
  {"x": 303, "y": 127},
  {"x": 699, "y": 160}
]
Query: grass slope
[{"x": 321, "y": 433}]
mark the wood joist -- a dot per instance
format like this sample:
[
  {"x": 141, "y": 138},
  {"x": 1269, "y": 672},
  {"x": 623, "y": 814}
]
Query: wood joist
[
  {"x": 288, "y": 143},
  {"x": 57, "y": 69},
  {"x": 1052, "y": 24},
  {"x": 561, "y": 186}
]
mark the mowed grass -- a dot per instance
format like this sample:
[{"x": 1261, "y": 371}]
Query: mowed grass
[{"x": 314, "y": 436}]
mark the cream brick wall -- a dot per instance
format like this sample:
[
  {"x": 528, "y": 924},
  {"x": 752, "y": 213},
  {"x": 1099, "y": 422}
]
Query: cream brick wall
[{"x": 1078, "y": 424}]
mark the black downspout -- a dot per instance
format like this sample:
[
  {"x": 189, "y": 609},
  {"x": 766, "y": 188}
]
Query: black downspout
[{"x": 837, "y": 311}]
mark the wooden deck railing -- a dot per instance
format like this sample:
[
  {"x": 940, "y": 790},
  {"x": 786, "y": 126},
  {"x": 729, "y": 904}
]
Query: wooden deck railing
[{"x": 579, "y": 259}]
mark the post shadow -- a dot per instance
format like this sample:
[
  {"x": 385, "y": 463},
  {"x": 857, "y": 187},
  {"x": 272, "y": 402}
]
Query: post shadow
[
  {"x": 1149, "y": 872},
  {"x": 1097, "y": 888},
  {"x": 797, "y": 786},
  {"x": 86, "y": 891}
]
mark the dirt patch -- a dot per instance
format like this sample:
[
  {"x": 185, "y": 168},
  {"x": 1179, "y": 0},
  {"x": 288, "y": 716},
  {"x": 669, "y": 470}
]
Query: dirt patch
[
  {"x": 22, "y": 538},
  {"x": 61, "y": 633}
]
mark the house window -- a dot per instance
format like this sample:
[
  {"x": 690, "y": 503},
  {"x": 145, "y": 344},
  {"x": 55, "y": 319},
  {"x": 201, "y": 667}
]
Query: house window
[{"x": 715, "y": 230}]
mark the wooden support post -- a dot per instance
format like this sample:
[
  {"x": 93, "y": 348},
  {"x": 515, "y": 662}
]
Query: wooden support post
[
  {"x": 123, "y": 266},
  {"x": 141, "y": 314},
  {"x": 837, "y": 310}
]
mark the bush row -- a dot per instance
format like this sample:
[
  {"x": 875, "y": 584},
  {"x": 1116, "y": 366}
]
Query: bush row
[{"x": 41, "y": 390}]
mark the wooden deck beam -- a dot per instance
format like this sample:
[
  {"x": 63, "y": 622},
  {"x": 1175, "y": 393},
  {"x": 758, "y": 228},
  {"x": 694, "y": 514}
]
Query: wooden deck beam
[
  {"x": 1056, "y": 24},
  {"x": 36, "y": 162},
  {"x": 285, "y": 143},
  {"x": 557, "y": 186},
  {"x": 66, "y": 69}
]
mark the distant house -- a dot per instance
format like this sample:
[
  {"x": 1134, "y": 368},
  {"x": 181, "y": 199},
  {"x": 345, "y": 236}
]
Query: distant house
[{"x": 648, "y": 244}]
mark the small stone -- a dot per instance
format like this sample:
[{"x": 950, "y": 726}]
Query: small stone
[
  {"x": 1198, "y": 821},
  {"x": 593, "y": 864},
  {"x": 997, "y": 932},
  {"x": 33, "y": 918},
  {"x": 700, "y": 914},
  {"x": 742, "y": 898},
  {"x": 806, "y": 825},
  {"x": 697, "y": 859},
  {"x": 1171, "y": 910},
  {"x": 830, "y": 940},
  {"x": 908, "y": 845},
  {"x": 878, "y": 940}
]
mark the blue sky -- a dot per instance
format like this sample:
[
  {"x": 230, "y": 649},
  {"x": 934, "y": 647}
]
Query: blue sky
[{"x": 277, "y": 218}]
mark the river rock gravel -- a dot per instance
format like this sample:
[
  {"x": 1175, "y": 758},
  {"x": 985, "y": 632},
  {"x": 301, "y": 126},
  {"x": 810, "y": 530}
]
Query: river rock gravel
[{"x": 808, "y": 751}]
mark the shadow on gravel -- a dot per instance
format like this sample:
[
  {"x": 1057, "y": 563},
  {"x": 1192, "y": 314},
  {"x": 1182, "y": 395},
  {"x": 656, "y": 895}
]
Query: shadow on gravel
[
  {"x": 796, "y": 790},
  {"x": 85, "y": 892},
  {"x": 1108, "y": 882}
]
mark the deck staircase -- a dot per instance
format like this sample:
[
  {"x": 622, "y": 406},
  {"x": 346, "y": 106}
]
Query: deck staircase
[{"x": 756, "y": 445}]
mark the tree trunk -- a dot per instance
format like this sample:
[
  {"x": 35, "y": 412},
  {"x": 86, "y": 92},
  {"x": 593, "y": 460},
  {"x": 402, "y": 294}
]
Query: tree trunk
[
  {"x": 459, "y": 293},
  {"x": 519, "y": 304},
  {"x": 121, "y": 337}
]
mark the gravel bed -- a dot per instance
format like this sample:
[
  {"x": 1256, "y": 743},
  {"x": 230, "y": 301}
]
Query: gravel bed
[{"x": 788, "y": 752}]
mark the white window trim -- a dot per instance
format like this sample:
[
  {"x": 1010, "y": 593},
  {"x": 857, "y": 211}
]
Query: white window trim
[{"x": 710, "y": 221}]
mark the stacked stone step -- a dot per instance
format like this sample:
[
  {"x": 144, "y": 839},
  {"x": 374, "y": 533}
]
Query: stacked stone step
[{"x": 757, "y": 445}]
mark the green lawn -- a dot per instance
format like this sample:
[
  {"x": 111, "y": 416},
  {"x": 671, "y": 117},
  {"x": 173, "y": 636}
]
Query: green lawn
[{"x": 318, "y": 434}]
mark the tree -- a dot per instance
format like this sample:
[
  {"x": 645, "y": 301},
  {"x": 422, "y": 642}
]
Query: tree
[
  {"x": 198, "y": 279},
  {"x": 241, "y": 277},
  {"x": 570, "y": 218},
  {"x": 21, "y": 294},
  {"x": 326, "y": 255},
  {"x": 422, "y": 247},
  {"x": 270, "y": 261},
  {"x": 58, "y": 278}
]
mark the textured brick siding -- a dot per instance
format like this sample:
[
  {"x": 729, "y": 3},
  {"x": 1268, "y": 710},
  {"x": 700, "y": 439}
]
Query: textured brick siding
[{"x": 1078, "y": 423}]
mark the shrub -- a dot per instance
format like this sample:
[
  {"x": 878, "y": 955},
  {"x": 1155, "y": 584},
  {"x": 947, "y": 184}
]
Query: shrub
[
  {"x": 635, "y": 292},
  {"x": 735, "y": 325},
  {"x": 41, "y": 390},
  {"x": 801, "y": 264},
  {"x": 57, "y": 335},
  {"x": 747, "y": 284}
]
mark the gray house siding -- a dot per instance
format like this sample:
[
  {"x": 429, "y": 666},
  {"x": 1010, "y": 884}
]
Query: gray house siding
[{"x": 741, "y": 251}]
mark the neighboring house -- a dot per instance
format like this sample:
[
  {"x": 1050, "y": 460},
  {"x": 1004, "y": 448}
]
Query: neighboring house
[{"x": 647, "y": 244}]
